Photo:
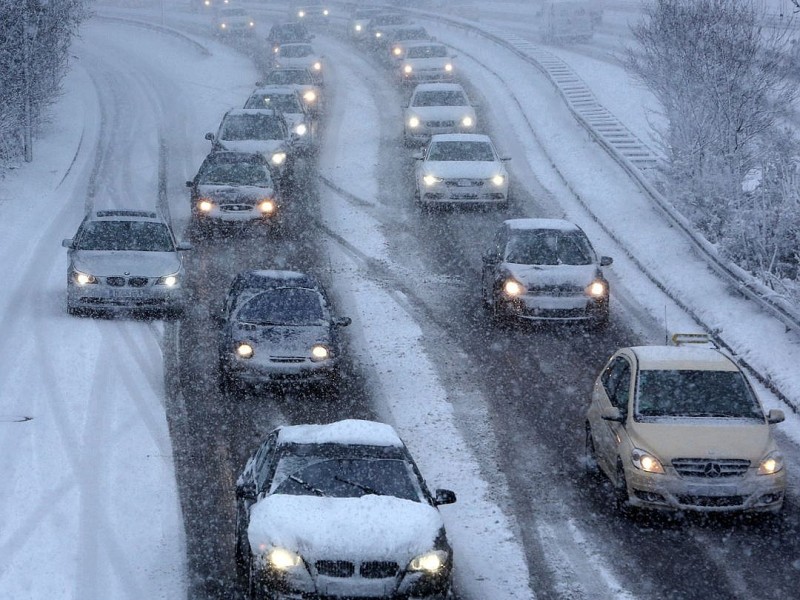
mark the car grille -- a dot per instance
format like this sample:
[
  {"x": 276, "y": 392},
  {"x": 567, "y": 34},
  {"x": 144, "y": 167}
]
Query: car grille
[
  {"x": 373, "y": 569},
  {"x": 235, "y": 207},
  {"x": 556, "y": 290},
  {"x": 440, "y": 123},
  {"x": 711, "y": 501},
  {"x": 130, "y": 281},
  {"x": 287, "y": 359},
  {"x": 137, "y": 281},
  {"x": 464, "y": 182},
  {"x": 712, "y": 469}
]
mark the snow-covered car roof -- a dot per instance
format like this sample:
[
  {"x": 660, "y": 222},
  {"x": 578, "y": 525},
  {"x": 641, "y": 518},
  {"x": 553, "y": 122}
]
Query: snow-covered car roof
[
  {"x": 439, "y": 87},
  {"x": 421, "y": 43},
  {"x": 267, "y": 278},
  {"x": 530, "y": 224},
  {"x": 276, "y": 88},
  {"x": 460, "y": 137},
  {"x": 250, "y": 111},
  {"x": 351, "y": 432},
  {"x": 682, "y": 358},
  {"x": 120, "y": 214}
]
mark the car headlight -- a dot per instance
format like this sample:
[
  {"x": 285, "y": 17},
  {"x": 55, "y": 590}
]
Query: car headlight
[
  {"x": 83, "y": 278},
  {"x": 266, "y": 206},
  {"x": 319, "y": 353},
  {"x": 358, "y": 27},
  {"x": 252, "y": 24},
  {"x": 275, "y": 49},
  {"x": 168, "y": 280},
  {"x": 326, "y": 12},
  {"x": 301, "y": 13},
  {"x": 223, "y": 25},
  {"x": 301, "y": 129},
  {"x": 310, "y": 96},
  {"x": 430, "y": 562},
  {"x": 498, "y": 180},
  {"x": 413, "y": 122},
  {"x": 646, "y": 461},
  {"x": 771, "y": 464},
  {"x": 448, "y": 67},
  {"x": 205, "y": 205},
  {"x": 407, "y": 69},
  {"x": 283, "y": 559},
  {"x": 278, "y": 158},
  {"x": 467, "y": 121},
  {"x": 317, "y": 66},
  {"x": 378, "y": 34},
  {"x": 245, "y": 350},
  {"x": 513, "y": 288},
  {"x": 597, "y": 289},
  {"x": 431, "y": 179},
  {"x": 397, "y": 51}
]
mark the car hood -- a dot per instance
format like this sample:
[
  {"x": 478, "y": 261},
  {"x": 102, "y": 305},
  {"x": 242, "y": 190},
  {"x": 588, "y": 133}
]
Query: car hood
[
  {"x": 265, "y": 147},
  {"x": 452, "y": 169},
  {"x": 112, "y": 263},
  {"x": 371, "y": 527},
  {"x": 238, "y": 193},
  {"x": 303, "y": 61},
  {"x": 703, "y": 438},
  {"x": 280, "y": 340},
  {"x": 440, "y": 113},
  {"x": 428, "y": 63},
  {"x": 552, "y": 275}
]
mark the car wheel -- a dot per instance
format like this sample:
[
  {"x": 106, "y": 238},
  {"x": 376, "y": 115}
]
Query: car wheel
[
  {"x": 590, "y": 457},
  {"x": 240, "y": 556},
  {"x": 599, "y": 322}
]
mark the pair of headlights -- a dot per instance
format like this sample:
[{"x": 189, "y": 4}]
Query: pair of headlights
[
  {"x": 430, "y": 180},
  {"x": 432, "y": 562},
  {"x": 318, "y": 351},
  {"x": 415, "y": 122},
  {"x": 88, "y": 279},
  {"x": 647, "y": 462},
  {"x": 408, "y": 69},
  {"x": 513, "y": 289},
  {"x": 265, "y": 206}
]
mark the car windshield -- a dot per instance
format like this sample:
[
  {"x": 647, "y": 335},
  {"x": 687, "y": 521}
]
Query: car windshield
[
  {"x": 289, "y": 77},
  {"x": 548, "y": 247},
  {"x": 688, "y": 393},
  {"x": 252, "y": 127},
  {"x": 287, "y": 103},
  {"x": 461, "y": 151},
  {"x": 299, "y": 51},
  {"x": 410, "y": 34},
  {"x": 427, "y": 52},
  {"x": 345, "y": 477},
  {"x": 125, "y": 235},
  {"x": 389, "y": 20},
  {"x": 440, "y": 98},
  {"x": 233, "y": 12},
  {"x": 235, "y": 173},
  {"x": 289, "y": 33},
  {"x": 284, "y": 306}
]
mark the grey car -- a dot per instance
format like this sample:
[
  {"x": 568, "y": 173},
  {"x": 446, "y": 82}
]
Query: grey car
[{"x": 122, "y": 260}]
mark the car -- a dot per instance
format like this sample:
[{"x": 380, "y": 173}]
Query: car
[
  {"x": 279, "y": 327},
  {"x": 462, "y": 168},
  {"x": 398, "y": 37},
  {"x": 233, "y": 188},
  {"x": 255, "y": 130},
  {"x": 545, "y": 270},
  {"x": 378, "y": 24},
  {"x": 340, "y": 510},
  {"x": 303, "y": 81},
  {"x": 425, "y": 61},
  {"x": 359, "y": 20},
  {"x": 437, "y": 108},
  {"x": 206, "y": 5},
  {"x": 288, "y": 33},
  {"x": 231, "y": 21},
  {"x": 287, "y": 101},
  {"x": 310, "y": 11},
  {"x": 680, "y": 428},
  {"x": 125, "y": 260},
  {"x": 299, "y": 56}
]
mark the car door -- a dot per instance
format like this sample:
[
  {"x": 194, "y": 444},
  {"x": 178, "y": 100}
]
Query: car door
[
  {"x": 492, "y": 260},
  {"x": 612, "y": 389},
  {"x": 252, "y": 479}
]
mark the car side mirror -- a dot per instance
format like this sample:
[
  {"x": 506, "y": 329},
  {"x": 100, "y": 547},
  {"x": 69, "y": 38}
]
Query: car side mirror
[
  {"x": 444, "y": 497},
  {"x": 67, "y": 243},
  {"x": 775, "y": 416},
  {"x": 189, "y": 184},
  {"x": 612, "y": 413},
  {"x": 259, "y": 84},
  {"x": 210, "y": 136},
  {"x": 505, "y": 158},
  {"x": 418, "y": 155},
  {"x": 490, "y": 258},
  {"x": 183, "y": 246},
  {"x": 342, "y": 321},
  {"x": 247, "y": 491},
  {"x": 605, "y": 261},
  {"x": 217, "y": 317}
]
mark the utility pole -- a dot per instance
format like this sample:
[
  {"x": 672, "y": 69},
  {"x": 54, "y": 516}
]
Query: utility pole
[{"x": 30, "y": 28}]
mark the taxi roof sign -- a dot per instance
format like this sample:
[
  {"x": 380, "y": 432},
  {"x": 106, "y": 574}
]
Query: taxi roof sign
[{"x": 684, "y": 339}]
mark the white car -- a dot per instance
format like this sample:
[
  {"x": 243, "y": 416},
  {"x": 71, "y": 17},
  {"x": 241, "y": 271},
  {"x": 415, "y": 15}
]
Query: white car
[
  {"x": 303, "y": 81},
  {"x": 425, "y": 61},
  {"x": 545, "y": 270},
  {"x": 438, "y": 108},
  {"x": 233, "y": 21},
  {"x": 680, "y": 428},
  {"x": 357, "y": 26},
  {"x": 287, "y": 101},
  {"x": 255, "y": 130},
  {"x": 299, "y": 56},
  {"x": 340, "y": 511},
  {"x": 462, "y": 168}
]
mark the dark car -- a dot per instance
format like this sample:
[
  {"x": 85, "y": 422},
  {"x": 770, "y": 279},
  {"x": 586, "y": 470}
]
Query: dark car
[
  {"x": 288, "y": 33},
  {"x": 340, "y": 511},
  {"x": 233, "y": 187},
  {"x": 279, "y": 327}
]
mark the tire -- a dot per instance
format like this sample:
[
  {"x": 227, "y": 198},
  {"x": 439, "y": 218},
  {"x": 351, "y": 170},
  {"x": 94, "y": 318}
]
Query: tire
[
  {"x": 241, "y": 560},
  {"x": 590, "y": 457}
]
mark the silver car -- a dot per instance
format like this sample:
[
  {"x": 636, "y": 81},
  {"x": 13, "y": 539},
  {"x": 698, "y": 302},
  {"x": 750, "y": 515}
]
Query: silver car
[
  {"x": 122, "y": 260},
  {"x": 438, "y": 108},
  {"x": 288, "y": 101}
]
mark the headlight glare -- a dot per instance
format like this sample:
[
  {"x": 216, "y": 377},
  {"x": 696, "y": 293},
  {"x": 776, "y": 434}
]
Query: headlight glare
[
  {"x": 319, "y": 352},
  {"x": 267, "y": 206},
  {"x": 317, "y": 66},
  {"x": 244, "y": 350},
  {"x": 467, "y": 121},
  {"x": 205, "y": 205},
  {"x": 168, "y": 280},
  {"x": 513, "y": 288},
  {"x": 301, "y": 129},
  {"x": 430, "y": 562},
  {"x": 358, "y": 27},
  {"x": 283, "y": 559},
  {"x": 397, "y": 51},
  {"x": 771, "y": 464},
  {"x": 498, "y": 180},
  {"x": 309, "y": 96},
  {"x": 597, "y": 289},
  {"x": 278, "y": 158},
  {"x": 645, "y": 461},
  {"x": 83, "y": 278},
  {"x": 431, "y": 179},
  {"x": 413, "y": 122},
  {"x": 407, "y": 69},
  {"x": 448, "y": 67}
]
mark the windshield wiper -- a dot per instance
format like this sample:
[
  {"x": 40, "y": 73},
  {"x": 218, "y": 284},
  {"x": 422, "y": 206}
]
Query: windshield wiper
[
  {"x": 360, "y": 486},
  {"x": 307, "y": 485}
]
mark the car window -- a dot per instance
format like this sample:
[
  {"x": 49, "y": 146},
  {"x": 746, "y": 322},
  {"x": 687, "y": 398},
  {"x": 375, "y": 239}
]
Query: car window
[
  {"x": 548, "y": 247},
  {"x": 289, "y": 77},
  {"x": 459, "y": 150},
  {"x": 252, "y": 127},
  {"x": 616, "y": 380},
  {"x": 284, "y": 306},
  {"x": 262, "y": 461},
  {"x": 296, "y": 51},
  {"x": 234, "y": 173},
  {"x": 440, "y": 98},
  {"x": 287, "y": 103},
  {"x": 345, "y": 477},
  {"x": 427, "y": 52},
  {"x": 687, "y": 393},
  {"x": 125, "y": 235}
]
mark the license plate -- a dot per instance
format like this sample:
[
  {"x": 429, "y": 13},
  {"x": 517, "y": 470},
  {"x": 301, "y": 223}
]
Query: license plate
[{"x": 464, "y": 182}]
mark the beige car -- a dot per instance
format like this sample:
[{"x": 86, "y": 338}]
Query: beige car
[{"x": 680, "y": 428}]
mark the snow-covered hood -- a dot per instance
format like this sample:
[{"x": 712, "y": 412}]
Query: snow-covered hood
[
  {"x": 286, "y": 341},
  {"x": 306, "y": 62},
  {"x": 137, "y": 264},
  {"x": 440, "y": 113},
  {"x": 436, "y": 62},
  {"x": 703, "y": 438},
  {"x": 454, "y": 169},
  {"x": 552, "y": 275},
  {"x": 264, "y": 147},
  {"x": 247, "y": 194},
  {"x": 370, "y": 528}
]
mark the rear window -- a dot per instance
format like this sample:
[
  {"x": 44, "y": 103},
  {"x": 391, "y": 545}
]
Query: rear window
[
  {"x": 461, "y": 151},
  {"x": 440, "y": 98},
  {"x": 287, "y": 103},
  {"x": 252, "y": 127},
  {"x": 427, "y": 52}
]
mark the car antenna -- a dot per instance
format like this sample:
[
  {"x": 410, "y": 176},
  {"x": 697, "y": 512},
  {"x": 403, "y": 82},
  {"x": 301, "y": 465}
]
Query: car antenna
[{"x": 666, "y": 327}]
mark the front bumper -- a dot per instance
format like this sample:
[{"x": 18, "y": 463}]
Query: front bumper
[
  {"x": 666, "y": 491},
  {"x": 234, "y": 213},
  {"x": 426, "y": 129},
  {"x": 101, "y": 296},
  {"x": 418, "y": 75},
  {"x": 554, "y": 308},
  {"x": 464, "y": 191},
  {"x": 282, "y": 370}
]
